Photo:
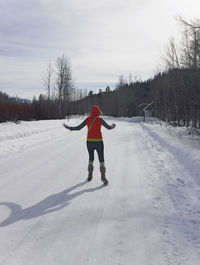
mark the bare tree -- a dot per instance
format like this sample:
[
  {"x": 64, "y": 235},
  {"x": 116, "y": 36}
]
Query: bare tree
[
  {"x": 191, "y": 43},
  {"x": 121, "y": 82},
  {"x": 130, "y": 79},
  {"x": 64, "y": 82},
  {"x": 47, "y": 79},
  {"x": 171, "y": 57}
]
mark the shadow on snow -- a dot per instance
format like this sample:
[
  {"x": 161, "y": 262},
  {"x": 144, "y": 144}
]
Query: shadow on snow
[{"x": 50, "y": 204}]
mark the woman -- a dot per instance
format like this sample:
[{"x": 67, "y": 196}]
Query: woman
[{"x": 94, "y": 140}]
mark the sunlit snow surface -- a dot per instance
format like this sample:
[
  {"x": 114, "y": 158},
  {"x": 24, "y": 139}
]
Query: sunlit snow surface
[{"x": 50, "y": 215}]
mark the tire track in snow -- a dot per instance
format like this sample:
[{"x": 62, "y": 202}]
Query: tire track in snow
[
  {"x": 149, "y": 226},
  {"x": 121, "y": 236},
  {"x": 99, "y": 236}
]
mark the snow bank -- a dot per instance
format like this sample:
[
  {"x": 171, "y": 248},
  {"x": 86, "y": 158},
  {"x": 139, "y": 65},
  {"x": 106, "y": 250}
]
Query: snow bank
[
  {"x": 15, "y": 137},
  {"x": 10, "y": 130},
  {"x": 179, "y": 144},
  {"x": 134, "y": 119},
  {"x": 138, "y": 119}
]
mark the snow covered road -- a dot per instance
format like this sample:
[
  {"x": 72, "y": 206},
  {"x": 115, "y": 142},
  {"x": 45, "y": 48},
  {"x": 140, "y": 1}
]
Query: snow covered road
[{"x": 149, "y": 214}]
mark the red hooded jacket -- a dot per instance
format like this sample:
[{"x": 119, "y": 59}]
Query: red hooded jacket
[{"x": 94, "y": 134}]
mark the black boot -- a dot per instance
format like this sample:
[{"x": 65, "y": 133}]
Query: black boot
[
  {"x": 103, "y": 177},
  {"x": 90, "y": 171}
]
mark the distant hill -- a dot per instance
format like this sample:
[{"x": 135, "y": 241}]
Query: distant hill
[{"x": 21, "y": 99}]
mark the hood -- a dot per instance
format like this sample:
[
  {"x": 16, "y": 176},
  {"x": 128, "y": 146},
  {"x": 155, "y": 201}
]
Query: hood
[{"x": 95, "y": 112}]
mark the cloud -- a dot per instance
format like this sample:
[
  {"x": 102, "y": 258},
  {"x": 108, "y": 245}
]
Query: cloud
[{"x": 103, "y": 39}]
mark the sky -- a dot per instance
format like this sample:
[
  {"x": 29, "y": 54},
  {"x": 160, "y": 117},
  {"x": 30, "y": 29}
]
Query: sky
[{"x": 102, "y": 40}]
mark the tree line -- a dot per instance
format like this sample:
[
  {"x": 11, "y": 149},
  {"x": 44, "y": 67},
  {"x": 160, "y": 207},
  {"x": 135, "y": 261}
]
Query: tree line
[
  {"x": 175, "y": 90},
  {"x": 175, "y": 93},
  {"x": 54, "y": 104}
]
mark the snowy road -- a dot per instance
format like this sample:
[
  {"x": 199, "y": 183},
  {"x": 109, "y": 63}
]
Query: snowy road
[{"x": 149, "y": 214}]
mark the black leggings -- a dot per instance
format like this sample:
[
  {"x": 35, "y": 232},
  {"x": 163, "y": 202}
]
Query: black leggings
[{"x": 98, "y": 146}]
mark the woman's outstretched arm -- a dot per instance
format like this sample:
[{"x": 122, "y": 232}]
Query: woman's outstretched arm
[
  {"x": 76, "y": 128},
  {"x": 106, "y": 125}
]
